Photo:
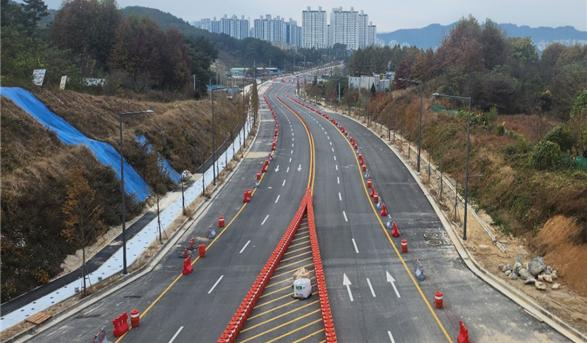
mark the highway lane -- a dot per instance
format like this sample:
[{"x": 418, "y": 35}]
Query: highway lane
[
  {"x": 489, "y": 315},
  {"x": 352, "y": 245},
  {"x": 202, "y": 303}
]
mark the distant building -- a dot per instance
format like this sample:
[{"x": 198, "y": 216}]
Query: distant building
[
  {"x": 362, "y": 30},
  {"x": 371, "y": 34},
  {"x": 345, "y": 28},
  {"x": 233, "y": 26},
  {"x": 314, "y": 28},
  {"x": 277, "y": 31},
  {"x": 365, "y": 82}
]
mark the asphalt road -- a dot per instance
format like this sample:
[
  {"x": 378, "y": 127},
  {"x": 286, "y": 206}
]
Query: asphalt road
[
  {"x": 377, "y": 313},
  {"x": 373, "y": 296},
  {"x": 203, "y": 302}
]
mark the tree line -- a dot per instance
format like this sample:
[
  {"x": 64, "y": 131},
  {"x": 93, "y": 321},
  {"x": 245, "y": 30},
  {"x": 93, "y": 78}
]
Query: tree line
[
  {"x": 480, "y": 61},
  {"x": 92, "y": 38}
]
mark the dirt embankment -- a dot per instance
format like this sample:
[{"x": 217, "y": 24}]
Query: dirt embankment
[{"x": 37, "y": 167}]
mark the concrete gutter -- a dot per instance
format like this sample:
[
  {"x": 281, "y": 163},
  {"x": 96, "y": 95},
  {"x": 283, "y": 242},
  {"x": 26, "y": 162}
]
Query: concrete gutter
[
  {"x": 30, "y": 333},
  {"x": 517, "y": 296}
]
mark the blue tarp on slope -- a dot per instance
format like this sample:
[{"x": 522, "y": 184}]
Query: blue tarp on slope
[
  {"x": 104, "y": 152},
  {"x": 164, "y": 164}
]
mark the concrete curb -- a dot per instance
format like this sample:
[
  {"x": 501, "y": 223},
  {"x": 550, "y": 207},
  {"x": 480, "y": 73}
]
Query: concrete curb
[
  {"x": 521, "y": 299},
  {"x": 183, "y": 229}
]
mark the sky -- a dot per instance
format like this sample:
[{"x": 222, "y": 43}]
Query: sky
[{"x": 388, "y": 15}]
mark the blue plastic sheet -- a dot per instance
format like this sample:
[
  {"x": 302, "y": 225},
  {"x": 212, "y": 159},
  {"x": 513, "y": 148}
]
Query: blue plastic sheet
[
  {"x": 105, "y": 153},
  {"x": 164, "y": 164}
]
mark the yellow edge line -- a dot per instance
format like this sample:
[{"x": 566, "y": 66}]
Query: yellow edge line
[
  {"x": 272, "y": 301},
  {"x": 279, "y": 316},
  {"x": 282, "y": 325},
  {"x": 294, "y": 263},
  {"x": 289, "y": 271},
  {"x": 295, "y": 330},
  {"x": 308, "y": 336},
  {"x": 282, "y": 281},
  {"x": 177, "y": 278},
  {"x": 296, "y": 250},
  {"x": 273, "y": 309},
  {"x": 382, "y": 226},
  {"x": 298, "y": 255}
]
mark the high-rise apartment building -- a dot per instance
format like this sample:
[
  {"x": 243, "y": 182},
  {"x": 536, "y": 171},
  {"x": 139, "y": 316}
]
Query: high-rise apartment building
[
  {"x": 371, "y": 34},
  {"x": 314, "y": 28},
  {"x": 277, "y": 31},
  {"x": 363, "y": 29},
  {"x": 233, "y": 26},
  {"x": 345, "y": 28}
]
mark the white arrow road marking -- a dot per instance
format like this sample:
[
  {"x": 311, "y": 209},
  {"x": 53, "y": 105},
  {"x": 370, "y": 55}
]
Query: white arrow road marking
[
  {"x": 215, "y": 284},
  {"x": 176, "y": 334},
  {"x": 390, "y": 337},
  {"x": 299, "y": 167},
  {"x": 277, "y": 199},
  {"x": 391, "y": 280},
  {"x": 283, "y": 183},
  {"x": 338, "y": 180},
  {"x": 339, "y": 197},
  {"x": 346, "y": 282},
  {"x": 277, "y": 168},
  {"x": 264, "y": 220},
  {"x": 371, "y": 288},
  {"x": 245, "y": 246},
  {"x": 345, "y": 217},
  {"x": 355, "y": 245}
]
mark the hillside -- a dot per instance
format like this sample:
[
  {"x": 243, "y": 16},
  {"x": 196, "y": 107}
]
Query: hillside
[
  {"x": 432, "y": 35},
  {"x": 231, "y": 51},
  {"x": 37, "y": 170}
]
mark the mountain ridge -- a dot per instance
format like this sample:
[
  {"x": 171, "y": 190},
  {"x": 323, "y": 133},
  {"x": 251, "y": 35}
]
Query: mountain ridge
[{"x": 431, "y": 36}]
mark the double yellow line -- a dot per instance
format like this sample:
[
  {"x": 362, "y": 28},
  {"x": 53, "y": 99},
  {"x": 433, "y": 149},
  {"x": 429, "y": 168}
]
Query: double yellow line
[{"x": 388, "y": 236}]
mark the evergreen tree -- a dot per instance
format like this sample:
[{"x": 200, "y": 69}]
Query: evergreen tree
[{"x": 33, "y": 11}]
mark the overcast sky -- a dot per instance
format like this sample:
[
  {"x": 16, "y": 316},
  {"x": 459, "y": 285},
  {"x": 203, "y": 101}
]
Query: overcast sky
[{"x": 388, "y": 15}]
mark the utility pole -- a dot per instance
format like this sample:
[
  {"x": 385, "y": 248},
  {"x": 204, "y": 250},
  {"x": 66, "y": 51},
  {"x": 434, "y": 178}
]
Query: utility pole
[{"x": 213, "y": 135}]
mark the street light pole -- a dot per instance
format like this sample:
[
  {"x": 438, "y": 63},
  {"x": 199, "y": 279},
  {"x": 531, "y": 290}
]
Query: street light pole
[
  {"x": 213, "y": 135},
  {"x": 122, "y": 192},
  {"x": 466, "y": 99}
]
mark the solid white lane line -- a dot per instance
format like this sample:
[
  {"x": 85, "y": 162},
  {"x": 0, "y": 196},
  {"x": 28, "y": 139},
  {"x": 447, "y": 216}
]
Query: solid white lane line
[
  {"x": 339, "y": 197},
  {"x": 371, "y": 288},
  {"x": 283, "y": 183},
  {"x": 390, "y": 337},
  {"x": 338, "y": 180},
  {"x": 355, "y": 246},
  {"x": 215, "y": 284},
  {"x": 277, "y": 199},
  {"x": 245, "y": 246},
  {"x": 176, "y": 334},
  {"x": 345, "y": 217},
  {"x": 265, "y": 219}
]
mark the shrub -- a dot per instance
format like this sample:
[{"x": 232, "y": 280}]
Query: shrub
[
  {"x": 562, "y": 136},
  {"x": 546, "y": 155}
]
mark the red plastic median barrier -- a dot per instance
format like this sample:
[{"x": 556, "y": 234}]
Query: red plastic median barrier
[
  {"x": 438, "y": 299},
  {"x": 384, "y": 211},
  {"x": 361, "y": 160},
  {"x": 221, "y": 221},
  {"x": 273, "y": 145},
  {"x": 463, "y": 333},
  {"x": 247, "y": 195},
  {"x": 120, "y": 325},
  {"x": 187, "y": 266},
  {"x": 394, "y": 230},
  {"x": 202, "y": 250},
  {"x": 258, "y": 176},
  {"x": 265, "y": 166},
  {"x": 369, "y": 183},
  {"x": 404, "y": 246},
  {"x": 135, "y": 319}
]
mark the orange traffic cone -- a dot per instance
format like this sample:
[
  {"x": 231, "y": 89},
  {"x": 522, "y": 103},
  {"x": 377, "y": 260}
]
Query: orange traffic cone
[
  {"x": 384, "y": 211},
  {"x": 463, "y": 333},
  {"x": 394, "y": 230}
]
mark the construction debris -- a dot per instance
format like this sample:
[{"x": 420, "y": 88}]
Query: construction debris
[{"x": 535, "y": 272}]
